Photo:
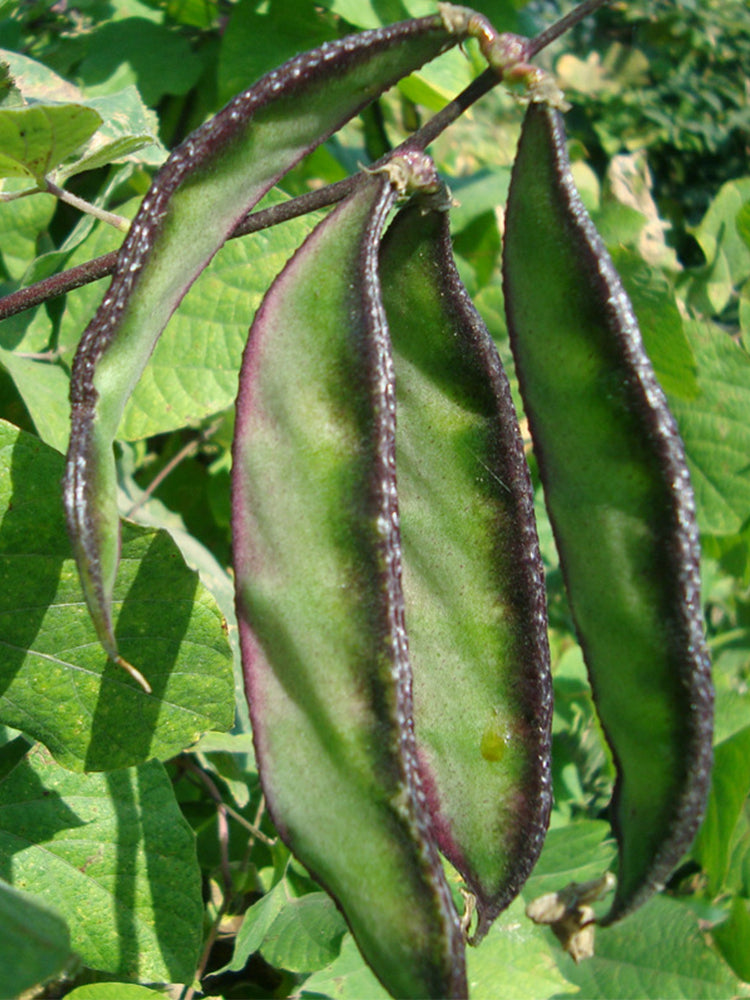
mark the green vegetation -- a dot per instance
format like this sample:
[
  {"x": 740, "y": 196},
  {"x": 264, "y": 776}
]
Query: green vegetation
[{"x": 134, "y": 838}]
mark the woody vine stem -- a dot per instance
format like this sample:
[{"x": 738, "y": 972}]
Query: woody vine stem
[{"x": 101, "y": 267}]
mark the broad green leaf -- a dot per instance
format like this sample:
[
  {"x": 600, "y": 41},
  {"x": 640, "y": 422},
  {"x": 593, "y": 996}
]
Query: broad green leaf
[
  {"x": 29, "y": 331},
  {"x": 114, "y": 856},
  {"x": 44, "y": 389},
  {"x": 347, "y": 978},
  {"x": 57, "y": 683},
  {"x": 724, "y": 226},
  {"x": 516, "y": 960},
  {"x": 37, "y": 138},
  {"x": 730, "y": 786},
  {"x": 716, "y": 430},
  {"x": 127, "y": 127},
  {"x": 255, "y": 42},
  {"x": 733, "y": 938},
  {"x": 578, "y": 852},
  {"x": 21, "y": 223},
  {"x": 256, "y": 923},
  {"x": 38, "y": 82},
  {"x": 305, "y": 935},
  {"x": 477, "y": 194},
  {"x": 35, "y": 942},
  {"x": 193, "y": 370},
  {"x": 658, "y": 953},
  {"x": 135, "y": 50},
  {"x": 113, "y": 991},
  {"x": 732, "y": 694},
  {"x": 661, "y": 324}
]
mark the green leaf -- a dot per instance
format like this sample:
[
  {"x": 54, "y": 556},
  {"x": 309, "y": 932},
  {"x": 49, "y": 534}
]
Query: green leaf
[
  {"x": 21, "y": 223},
  {"x": 730, "y": 784},
  {"x": 35, "y": 943},
  {"x": 347, "y": 978},
  {"x": 716, "y": 430},
  {"x": 44, "y": 390},
  {"x": 134, "y": 50},
  {"x": 256, "y": 923},
  {"x": 661, "y": 324},
  {"x": 255, "y": 42},
  {"x": 38, "y": 82},
  {"x": 128, "y": 127},
  {"x": 210, "y": 325},
  {"x": 57, "y": 683},
  {"x": 305, "y": 935},
  {"x": 577, "y": 852},
  {"x": 733, "y": 938},
  {"x": 37, "y": 138},
  {"x": 193, "y": 371},
  {"x": 723, "y": 227},
  {"x": 658, "y": 953},
  {"x": 113, "y": 991},
  {"x": 517, "y": 960},
  {"x": 114, "y": 856}
]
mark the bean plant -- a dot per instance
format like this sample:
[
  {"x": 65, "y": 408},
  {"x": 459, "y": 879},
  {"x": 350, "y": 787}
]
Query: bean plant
[{"x": 424, "y": 706}]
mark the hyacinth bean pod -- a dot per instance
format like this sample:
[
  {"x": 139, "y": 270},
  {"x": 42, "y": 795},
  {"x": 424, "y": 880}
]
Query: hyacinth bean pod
[
  {"x": 318, "y": 581},
  {"x": 206, "y": 186},
  {"x": 473, "y": 578},
  {"x": 619, "y": 497}
]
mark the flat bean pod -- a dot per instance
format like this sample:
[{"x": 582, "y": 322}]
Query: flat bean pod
[
  {"x": 473, "y": 577},
  {"x": 317, "y": 561},
  {"x": 619, "y": 497},
  {"x": 206, "y": 186}
]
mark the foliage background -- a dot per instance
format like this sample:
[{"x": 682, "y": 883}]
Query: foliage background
[{"x": 141, "y": 856}]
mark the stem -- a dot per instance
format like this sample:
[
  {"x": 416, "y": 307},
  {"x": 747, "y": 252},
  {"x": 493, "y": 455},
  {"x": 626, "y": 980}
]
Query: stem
[
  {"x": 185, "y": 452},
  {"x": 118, "y": 221},
  {"x": 100, "y": 267}
]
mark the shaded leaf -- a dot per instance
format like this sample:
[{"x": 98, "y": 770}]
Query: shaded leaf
[
  {"x": 135, "y": 50},
  {"x": 35, "y": 943},
  {"x": 57, "y": 684},
  {"x": 113, "y": 991},
  {"x": 716, "y": 430},
  {"x": 44, "y": 390},
  {"x": 730, "y": 786},
  {"x": 658, "y": 953},
  {"x": 305, "y": 935},
  {"x": 347, "y": 978},
  {"x": 21, "y": 223},
  {"x": 115, "y": 857},
  {"x": 733, "y": 938}
]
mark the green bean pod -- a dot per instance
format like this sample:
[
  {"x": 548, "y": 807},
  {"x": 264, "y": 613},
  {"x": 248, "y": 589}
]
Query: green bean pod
[
  {"x": 473, "y": 577},
  {"x": 619, "y": 498},
  {"x": 317, "y": 560},
  {"x": 206, "y": 186}
]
